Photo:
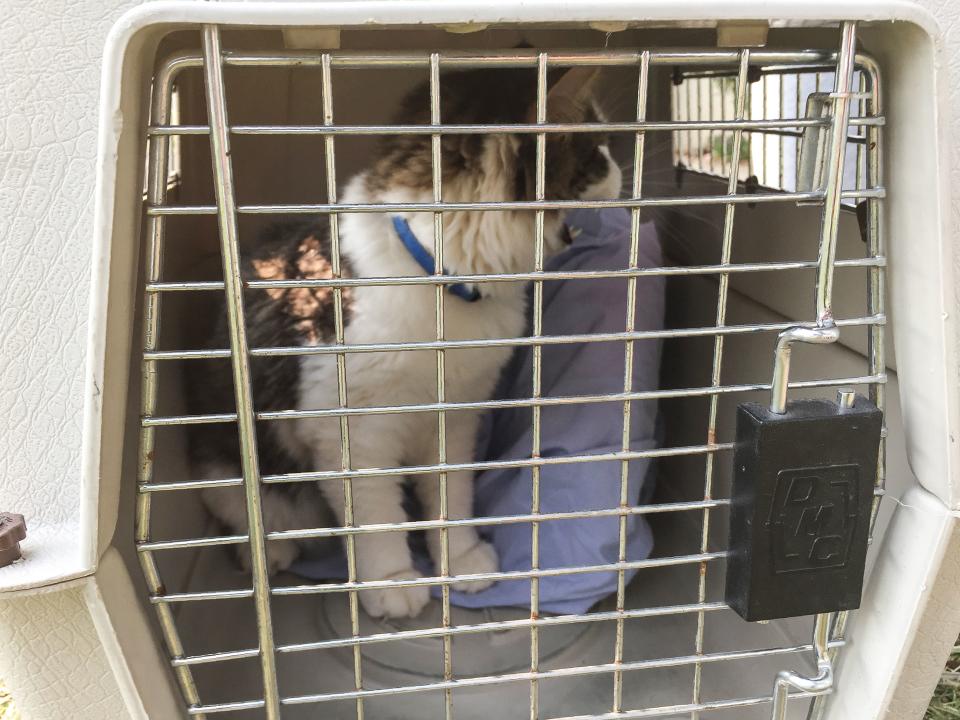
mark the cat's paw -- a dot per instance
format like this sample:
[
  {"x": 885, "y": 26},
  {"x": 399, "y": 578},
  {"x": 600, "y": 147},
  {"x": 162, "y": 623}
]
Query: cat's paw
[
  {"x": 480, "y": 558},
  {"x": 280, "y": 556},
  {"x": 396, "y": 602}
]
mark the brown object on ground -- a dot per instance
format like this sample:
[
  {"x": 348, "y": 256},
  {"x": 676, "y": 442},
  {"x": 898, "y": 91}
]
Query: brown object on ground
[{"x": 13, "y": 529}]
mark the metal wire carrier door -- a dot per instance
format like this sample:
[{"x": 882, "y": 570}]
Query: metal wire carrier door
[{"x": 741, "y": 65}]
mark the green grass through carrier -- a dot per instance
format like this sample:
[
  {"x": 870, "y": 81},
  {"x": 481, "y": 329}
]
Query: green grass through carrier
[
  {"x": 945, "y": 704},
  {"x": 7, "y": 711}
]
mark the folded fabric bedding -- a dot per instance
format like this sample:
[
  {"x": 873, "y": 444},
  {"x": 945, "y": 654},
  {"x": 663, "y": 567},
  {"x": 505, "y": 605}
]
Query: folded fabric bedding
[{"x": 601, "y": 241}]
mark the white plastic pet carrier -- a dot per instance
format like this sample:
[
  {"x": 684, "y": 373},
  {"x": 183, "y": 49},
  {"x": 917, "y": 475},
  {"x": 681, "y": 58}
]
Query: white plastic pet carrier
[{"x": 794, "y": 160}]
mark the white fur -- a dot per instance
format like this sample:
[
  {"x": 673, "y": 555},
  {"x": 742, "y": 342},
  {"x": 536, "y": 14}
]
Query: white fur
[{"x": 473, "y": 243}]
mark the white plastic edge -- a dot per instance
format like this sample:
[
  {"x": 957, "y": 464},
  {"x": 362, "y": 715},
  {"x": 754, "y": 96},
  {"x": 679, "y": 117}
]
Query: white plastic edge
[
  {"x": 114, "y": 653},
  {"x": 339, "y": 13},
  {"x": 896, "y": 604},
  {"x": 364, "y": 13}
]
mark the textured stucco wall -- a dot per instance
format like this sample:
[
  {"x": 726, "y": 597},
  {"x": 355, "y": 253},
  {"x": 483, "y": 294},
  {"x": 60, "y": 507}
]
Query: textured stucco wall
[
  {"x": 55, "y": 663},
  {"x": 48, "y": 143}
]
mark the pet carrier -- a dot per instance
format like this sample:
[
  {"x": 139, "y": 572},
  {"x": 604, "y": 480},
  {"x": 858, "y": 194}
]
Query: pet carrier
[{"x": 786, "y": 176}]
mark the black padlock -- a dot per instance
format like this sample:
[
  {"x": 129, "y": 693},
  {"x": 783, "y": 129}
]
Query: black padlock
[{"x": 803, "y": 488}]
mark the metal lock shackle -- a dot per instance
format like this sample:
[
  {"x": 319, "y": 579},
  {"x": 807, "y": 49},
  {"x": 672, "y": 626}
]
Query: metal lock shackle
[
  {"x": 819, "y": 684},
  {"x": 821, "y": 335}
]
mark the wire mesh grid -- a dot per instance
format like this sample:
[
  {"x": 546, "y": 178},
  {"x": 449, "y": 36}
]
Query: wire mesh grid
[
  {"x": 739, "y": 69},
  {"x": 767, "y": 157}
]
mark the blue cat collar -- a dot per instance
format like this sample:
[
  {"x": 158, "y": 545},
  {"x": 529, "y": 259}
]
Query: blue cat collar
[{"x": 425, "y": 260}]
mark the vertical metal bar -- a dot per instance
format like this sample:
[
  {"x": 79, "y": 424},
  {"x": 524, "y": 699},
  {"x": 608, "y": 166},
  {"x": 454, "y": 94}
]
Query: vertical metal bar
[
  {"x": 826, "y": 330},
  {"x": 796, "y": 141},
  {"x": 705, "y": 106},
  {"x": 843, "y": 81},
  {"x": 861, "y": 132},
  {"x": 876, "y": 247},
  {"x": 834, "y": 178},
  {"x": 711, "y": 136},
  {"x": 722, "y": 291},
  {"x": 764, "y": 81},
  {"x": 688, "y": 134},
  {"x": 436, "y": 159},
  {"x": 149, "y": 381},
  {"x": 675, "y": 115},
  {"x": 698, "y": 88},
  {"x": 638, "y": 149},
  {"x": 876, "y": 350},
  {"x": 728, "y": 167},
  {"x": 693, "y": 102},
  {"x": 540, "y": 190},
  {"x": 863, "y": 87},
  {"x": 781, "y": 140},
  {"x": 329, "y": 151},
  {"x": 240, "y": 359},
  {"x": 821, "y": 683}
]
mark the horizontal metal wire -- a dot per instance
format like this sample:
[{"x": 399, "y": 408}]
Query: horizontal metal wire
[
  {"x": 226, "y": 707},
  {"x": 449, "y": 467},
  {"x": 772, "y": 69},
  {"x": 411, "y": 524},
  {"x": 675, "y": 710},
  {"x": 301, "y": 350},
  {"x": 414, "y": 525},
  {"x": 501, "y": 625},
  {"x": 513, "y": 205},
  {"x": 578, "y": 671},
  {"x": 517, "y": 57},
  {"x": 493, "y": 626},
  {"x": 327, "y": 588},
  {"x": 206, "y": 285},
  {"x": 636, "y": 395},
  {"x": 663, "y": 452},
  {"x": 147, "y": 488},
  {"x": 515, "y": 128},
  {"x": 238, "y": 594},
  {"x": 664, "y": 711},
  {"x": 192, "y": 543},
  {"x": 488, "y": 680}
]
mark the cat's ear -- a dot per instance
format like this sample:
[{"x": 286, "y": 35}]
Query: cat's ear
[
  {"x": 461, "y": 151},
  {"x": 568, "y": 98},
  {"x": 575, "y": 85}
]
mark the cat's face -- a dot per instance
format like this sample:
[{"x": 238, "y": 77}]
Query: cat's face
[
  {"x": 502, "y": 166},
  {"x": 578, "y": 165}
]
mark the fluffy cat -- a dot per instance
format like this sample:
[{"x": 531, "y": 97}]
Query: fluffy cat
[{"x": 474, "y": 168}]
